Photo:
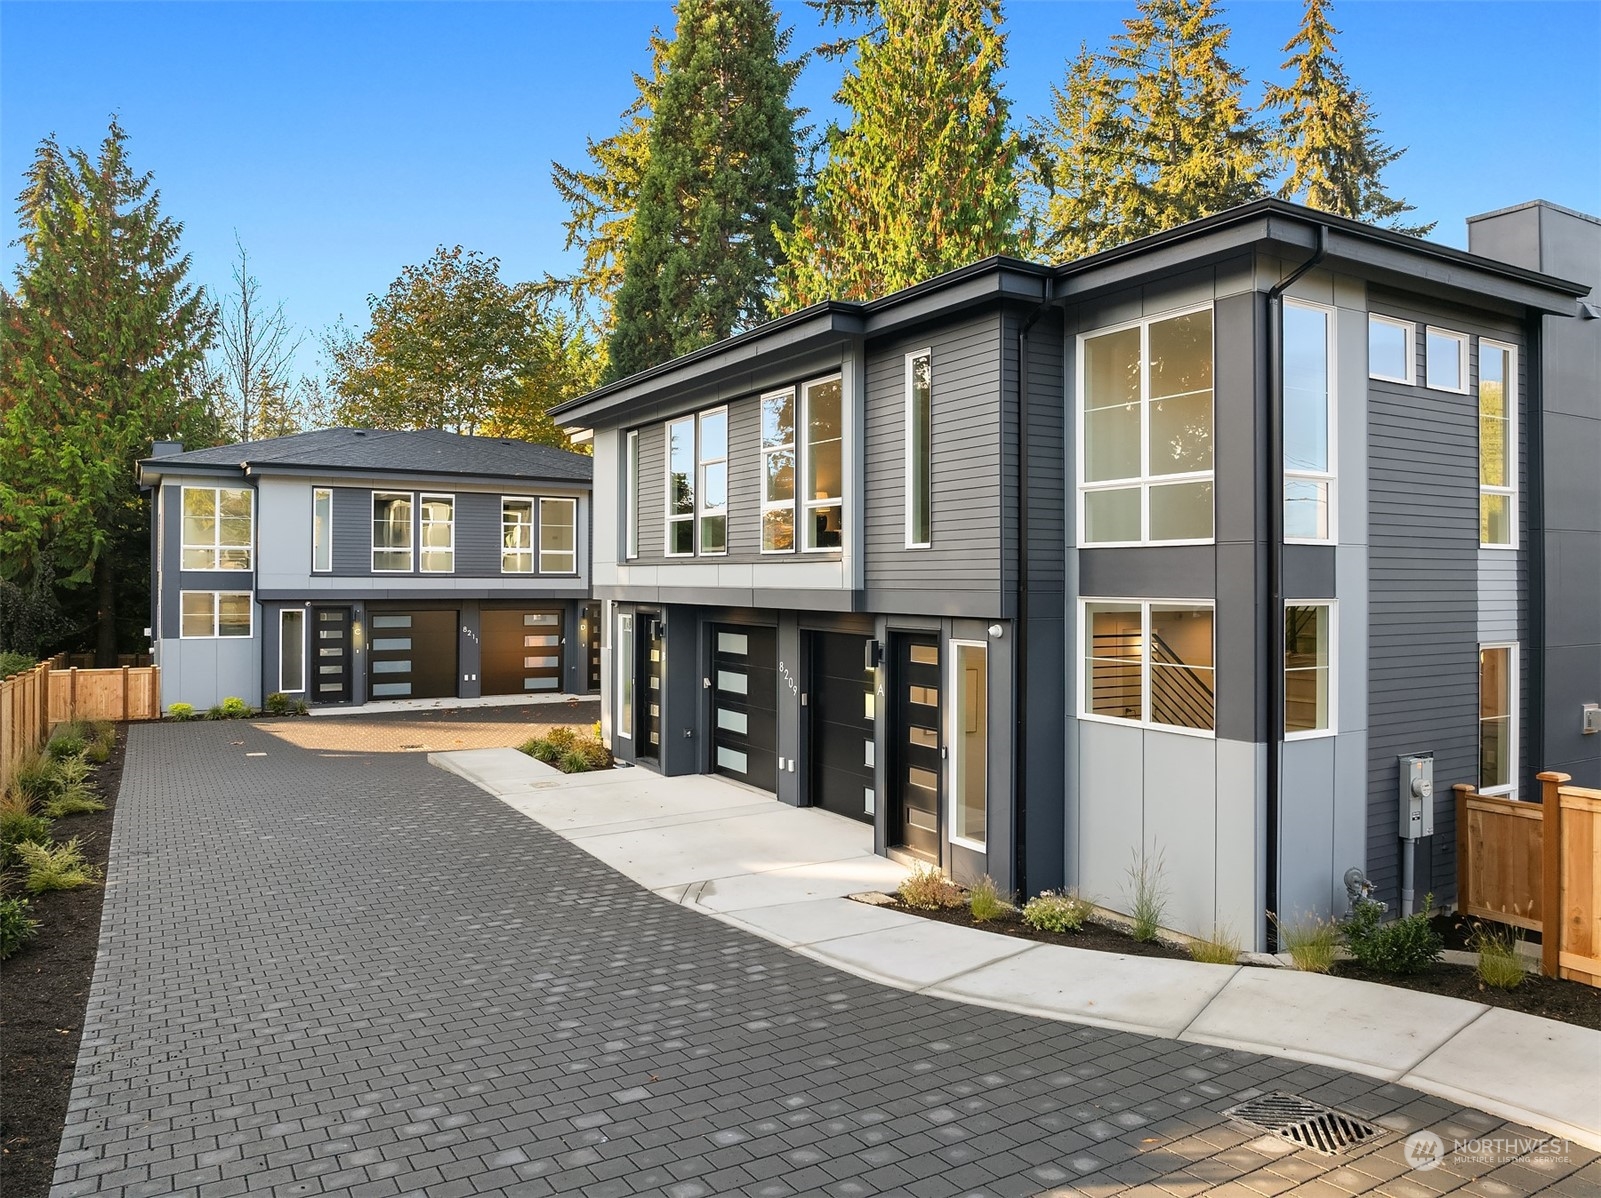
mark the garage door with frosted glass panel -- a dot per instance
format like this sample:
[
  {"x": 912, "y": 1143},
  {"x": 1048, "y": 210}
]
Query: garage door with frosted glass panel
[
  {"x": 412, "y": 655},
  {"x": 522, "y": 651},
  {"x": 745, "y": 704}
]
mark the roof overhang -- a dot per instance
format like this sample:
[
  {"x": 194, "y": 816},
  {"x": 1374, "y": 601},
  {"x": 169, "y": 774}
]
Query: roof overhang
[{"x": 152, "y": 471}]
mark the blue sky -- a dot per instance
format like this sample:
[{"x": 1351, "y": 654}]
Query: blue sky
[{"x": 343, "y": 141}]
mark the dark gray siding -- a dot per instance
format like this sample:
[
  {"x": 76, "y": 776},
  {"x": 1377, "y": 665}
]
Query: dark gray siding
[
  {"x": 352, "y": 531},
  {"x": 478, "y": 534},
  {"x": 652, "y": 492}
]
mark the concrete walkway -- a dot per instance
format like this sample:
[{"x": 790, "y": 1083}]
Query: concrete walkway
[{"x": 782, "y": 872}]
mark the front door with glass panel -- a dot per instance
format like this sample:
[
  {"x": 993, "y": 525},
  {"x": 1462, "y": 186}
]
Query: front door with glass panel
[
  {"x": 411, "y": 655},
  {"x": 842, "y": 711},
  {"x": 521, "y": 652},
  {"x": 589, "y": 637},
  {"x": 649, "y": 670},
  {"x": 744, "y": 690},
  {"x": 916, "y": 738},
  {"x": 330, "y": 655}
]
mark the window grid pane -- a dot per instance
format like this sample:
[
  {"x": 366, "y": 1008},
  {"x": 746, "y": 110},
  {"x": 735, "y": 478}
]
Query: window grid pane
[
  {"x": 919, "y": 465},
  {"x": 516, "y": 536},
  {"x": 558, "y": 536},
  {"x": 824, "y": 465},
  {"x": 714, "y": 482},
  {"x": 1150, "y": 664},
  {"x": 217, "y": 528},
  {"x": 438, "y": 534},
  {"x": 778, "y": 472},
  {"x": 1307, "y": 668},
  {"x": 681, "y": 487},
  {"x": 391, "y": 532}
]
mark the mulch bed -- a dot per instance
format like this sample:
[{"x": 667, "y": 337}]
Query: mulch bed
[
  {"x": 44, "y": 989},
  {"x": 1102, "y": 937}
]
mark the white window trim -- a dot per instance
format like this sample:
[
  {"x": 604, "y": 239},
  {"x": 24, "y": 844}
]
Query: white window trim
[
  {"x": 372, "y": 522},
  {"x": 1411, "y": 355},
  {"x": 701, "y": 510},
  {"x": 305, "y": 650},
  {"x": 423, "y": 498},
  {"x": 1331, "y": 434},
  {"x": 539, "y": 534},
  {"x": 533, "y": 526},
  {"x": 1514, "y": 707},
  {"x": 216, "y": 546},
  {"x": 1511, "y": 398},
  {"x": 216, "y": 608},
  {"x": 1145, "y": 606},
  {"x": 631, "y": 481},
  {"x": 329, "y": 530},
  {"x": 803, "y": 415},
  {"x": 625, "y": 625},
  {"x": 669, "y": 518},
  {"x": 911, "y": 542},
  {"x": 954, "y": 683},
  {"x": 1461, "y": 340},
  {"x": 1334, "y": 669},
  {"x": 1145, "y": 480},
  {"x": 763, "y": 450}
]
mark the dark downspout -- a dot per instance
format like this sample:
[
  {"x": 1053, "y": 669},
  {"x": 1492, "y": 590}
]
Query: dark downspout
[
  {"x": 1273, "y": 585},
  {"x": 1535, "y": 423}
]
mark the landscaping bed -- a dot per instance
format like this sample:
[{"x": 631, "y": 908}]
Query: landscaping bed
[{"x": 44, "y": 989}]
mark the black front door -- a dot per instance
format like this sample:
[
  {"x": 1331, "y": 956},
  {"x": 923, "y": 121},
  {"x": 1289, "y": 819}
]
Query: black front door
[
  {"x": 411, "y": 655},
  {"x": 745, "y": 704},
  {"x": 649, "y": 668},
  {"x": 842, "y": 710},
  {"x": 589, "y": 635},
  {"x": 917, "y": 745},
  {"x": 330, "y": 655}
]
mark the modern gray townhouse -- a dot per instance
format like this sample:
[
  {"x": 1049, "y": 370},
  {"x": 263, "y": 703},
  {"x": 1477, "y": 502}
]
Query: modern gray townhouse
[
  {"x": 1234, "y": 547},
  {"x": 350, "y": 565}
]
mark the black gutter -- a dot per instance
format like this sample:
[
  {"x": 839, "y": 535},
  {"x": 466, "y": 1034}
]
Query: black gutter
[{"x": 1273, "y": 584}]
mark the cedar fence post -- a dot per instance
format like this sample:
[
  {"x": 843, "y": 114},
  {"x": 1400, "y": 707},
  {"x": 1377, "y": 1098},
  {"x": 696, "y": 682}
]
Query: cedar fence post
[
  {"x": 1551, "y": 868},
  {"x": 72, "y": 693},
  {"x": 124, "y": 693},
  {"x": 1464, "y": 875}
]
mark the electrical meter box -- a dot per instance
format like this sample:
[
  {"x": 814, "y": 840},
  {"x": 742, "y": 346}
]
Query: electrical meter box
[{"x": 1417, "y": 796}]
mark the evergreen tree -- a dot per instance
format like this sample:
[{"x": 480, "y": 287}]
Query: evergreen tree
[
  {"x": 719, "y": 186},
  {"x": 1327, "y": 134},
  {"x": 1081, "y": 166},
  {"x": 102, "y": 335},
  {"x": 924, "y": 178}
]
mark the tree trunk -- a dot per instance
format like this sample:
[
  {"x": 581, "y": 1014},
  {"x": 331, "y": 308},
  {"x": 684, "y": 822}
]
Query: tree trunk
[{"x": 106, "y": 592}]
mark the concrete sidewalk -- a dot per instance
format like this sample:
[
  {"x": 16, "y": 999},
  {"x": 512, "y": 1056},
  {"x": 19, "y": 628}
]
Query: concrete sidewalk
[{"x": 782, "y": 873}]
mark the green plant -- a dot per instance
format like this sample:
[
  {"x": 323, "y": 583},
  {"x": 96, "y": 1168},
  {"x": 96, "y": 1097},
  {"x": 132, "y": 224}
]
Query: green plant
[
  {"x": 276, "y": 703},
  {"x": 76, "y": 800},
  {"x": 1049, "y": 911},
  {"x": 596, "y": 755},
  {"x": 215, "y": 712},
  {"x": 15, "y": 663},
  {"x": 572, "y": 762},
  {"x": 19, "y": 823},
  {"x": 1147, "y": 895},
  {"x": 1497, "y": 946},
  {"x": 235, "y": 708},
  {"x": 541, "y": 749},
  {"x": 64, "y": 745},
  {"x": 56, "y": 867},
  {"x": 1402, "y": 946},
  {"x": 1312, "y": 944},
  {"x": 181, "y": 711},
  {"x": 594, "y": 730},
  {"x": 300, "y": 707},
  {"x": 562, "y": 737},
  {"x": 1221, "y": 948},
  {"x": 34, "y": 778},
  {"x": 926, "y": 889},
  {"x": 99, "y": 752},
  {"x": 986, "y": 903},
  {"x": 15, "y": 925},
  {"x": 72, "y": 771}
]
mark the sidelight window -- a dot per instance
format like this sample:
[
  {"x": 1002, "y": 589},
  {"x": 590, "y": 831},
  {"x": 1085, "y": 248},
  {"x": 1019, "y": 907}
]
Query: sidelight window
[
  {"x": 1498, "y": 445},
  {"x": 681, "y": 487},
  {"x": 1498, "y": 719},
  {"x": 823, "y": 498}
]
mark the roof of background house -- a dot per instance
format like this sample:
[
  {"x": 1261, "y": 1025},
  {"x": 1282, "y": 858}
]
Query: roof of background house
[{"x": 417, "y": 451}]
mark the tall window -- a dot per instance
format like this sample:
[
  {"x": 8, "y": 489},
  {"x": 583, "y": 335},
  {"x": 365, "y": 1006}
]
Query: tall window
[
  {"x": 1308, "y": 394},
  {"x": 1498, "y": 444},
  {"x": 217, "y": 528},
  {"x": 391, "y": 532},
  {"x": 1145, "y": 453},
  {"x": 516, "y": 536},
  {"x": 558, "y": 536},
  {"x": 291, "y": 650},
  {"x": 322, "y": 530},
  {"x": 969, "y": 740},
  {"x": 714, "y": 481},
  {"x": 919, "y": 455},
  {"x": 1148, "y": 663},
  {"x": 1308, "y": 669},
  {"x": 778, "y": 472},
  {"x": 214, "y": 614},
  {"x": 823, "y": 500},
  {"x": 1498, "y": 719},
  {"x": 1390, "y": 353},
  {"x": 438, "y": 534},
  {"x": 632, "y": 498},
  {"x": 1445, "y": 360},
  {"x": 681, "y": 487},
  {"x": 625, "y": 675}
]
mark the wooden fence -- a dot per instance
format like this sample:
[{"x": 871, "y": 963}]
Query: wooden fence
[
  {"x": 24, "y": 717},
  {"x": 1536, "y": 866},
  {"x": 122, "y": 694}
]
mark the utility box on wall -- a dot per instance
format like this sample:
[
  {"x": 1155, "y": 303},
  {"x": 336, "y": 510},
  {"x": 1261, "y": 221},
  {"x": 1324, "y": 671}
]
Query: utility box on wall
[{"x": 1417, "y": 795}]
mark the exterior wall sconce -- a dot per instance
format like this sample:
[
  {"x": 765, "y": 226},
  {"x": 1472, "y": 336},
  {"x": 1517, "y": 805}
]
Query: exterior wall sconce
[{"x": 997, "y": 631}]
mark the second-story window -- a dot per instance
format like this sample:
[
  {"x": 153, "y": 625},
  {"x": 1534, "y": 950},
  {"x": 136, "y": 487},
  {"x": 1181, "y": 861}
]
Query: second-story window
[
  {"x": 217, "y": 533},
  {"x": 681, "y": 487},
  {"x": 778, "y": 472},
  {"x": 919, "y": 450},
  {"x": 631, "y": 499},
  {"x": 823, "y": 499},
  {"x": 1498, "y": 445},
  {"x": 391, "y": 532},
  {"x": 516, "y": 536},
  {"x": 1445, "y": 360},
  {"x": 714, "y": 481},
  {"x": 1308, "y": 405},
  {"x": 697, "y": 484},
  {"x": 438, "y": 534},
  {"x": 558, "y": 536},
  {"x": 322, "y": 530}
]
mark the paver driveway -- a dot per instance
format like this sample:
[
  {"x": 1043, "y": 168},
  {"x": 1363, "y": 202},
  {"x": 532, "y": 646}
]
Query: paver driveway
[{"x": 362, "y": 975}]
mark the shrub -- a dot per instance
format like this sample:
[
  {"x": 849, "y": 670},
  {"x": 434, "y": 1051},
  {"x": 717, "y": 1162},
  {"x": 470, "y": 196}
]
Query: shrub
[
  {"x": 56, "y": 867},
  {"x": 1311, "y": 944},
  {"x": 929, "y": 890},
  {"x": 1402, "y": 946},
  {"x": 276, "y": 703},
  {"x": 596, "y": 755},
  {"x": 15, "y": 663},
  {"x": 100, "y": 751},
  {"x": 541, "y": 749},
  {"x": 235, "y": 708},
  {"x": 562, "y": 737},
  {"x": 215, "y": 712},
  {"x": 1147, "y": 895},
  {"x": 71, "y": 772},
  {"x": 181, "y": 711},
  {"x": 1049, "y": 911},
  {"x": 300, "y": 707},
  {"x": 15, "y": 926},
  {"x": 19, "y": 823},
  {"x": 572, "y": 762},
  {"x": 1221, "y": 948},
  {"x": 64, "y": 745},
  {"x": 985, "y": 902},
  {"x": 34, "y": 778},
  {"x": 75, "y": 800},
  {"x": 1497, "y": 946}
]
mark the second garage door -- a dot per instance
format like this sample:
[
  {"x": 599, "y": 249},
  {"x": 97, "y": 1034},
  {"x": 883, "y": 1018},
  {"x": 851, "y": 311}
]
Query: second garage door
[
  {"x": 522, "y": 651},
  {"x": 412, "y": 655},
  {"x": 745, "y": 704}
]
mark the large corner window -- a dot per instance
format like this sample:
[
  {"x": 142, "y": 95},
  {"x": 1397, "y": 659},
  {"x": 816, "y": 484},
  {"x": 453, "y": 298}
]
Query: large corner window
[
  {"x": 823, "y": 499},
  {"x": 292, "y": 650},
  {"x": 217, "y": 528},
  {"x": 1308, "y": 422},
  {"x": 1498, "y": 445},
  {"x": 713, "y": 481},
  {"x": 438, "y": 534},
  {"x": 212, "y": 614},
  {"x": 1149, "y": 663},
  {"x": 558, "y": 536},
  {"x": 1308, "y": 670},
  {"x": 516, "y": 536},
  {"x": 778, "y": 472},
  {"x": 1498, "y": 719},
  {"x": 681, "y": 487},
  {"x": 631, "y": 499},
  {"x": 1145, "y": 449},
  {"x": 391, "y": 532},
  {"x": 919, "y": 450},
  {"x": 1391, "y": 357},
  {"x": 1445, "y": 360},
  {"x": 625, "y": 676},
  {"x": 322, "y": 530}
]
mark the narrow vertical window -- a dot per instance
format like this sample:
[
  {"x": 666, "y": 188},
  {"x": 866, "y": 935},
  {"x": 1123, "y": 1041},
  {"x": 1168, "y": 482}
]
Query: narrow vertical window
[
  {"x": 632, "y": 498},
  {"x": 1308, "y": 669},
  {"x": 714, "y": 481},
  {"x": 969, "y": 741},
  {"x": 1498, "y": 444},
  {"x": 1445, "y": 360},
  {"x": 291, "y": 650},
  {"x": 391, "y": 532},
  {"x": 1391, "y": 356},
  {"x": 1308, "y": 392},
  {"x": 1498, "y": 721},
  {"x": 778, "y": 472},
  {"x": 516, "y": 536},
  {"x": 681, "y": 487},
  {"x": 322, "y": 530},
  {"x": 625, "y": 675},
  {"x": 824, "y": 496},
  {"x": 919, "y": 450},
  {"x": 558, "y": 536},
  {"x": 438, "y": 534}
]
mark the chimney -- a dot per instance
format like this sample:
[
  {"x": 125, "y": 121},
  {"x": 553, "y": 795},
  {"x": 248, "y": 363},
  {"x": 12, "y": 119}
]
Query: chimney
[{"x": 165, "y": 449}]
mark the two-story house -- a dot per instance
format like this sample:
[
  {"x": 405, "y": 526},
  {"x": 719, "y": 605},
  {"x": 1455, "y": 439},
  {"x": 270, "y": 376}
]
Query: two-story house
[
  {"x": 1198, "y": 550},
  {"x": 348, "y": 565}
]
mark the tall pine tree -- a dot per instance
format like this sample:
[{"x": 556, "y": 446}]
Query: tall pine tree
[
  {"x": 719, "y": 186},
  {"x": 102, "y": 334},
  {"x": 924, "y": 178},
  {"x": 1327, "y": 134},
  {"x": 1081, "y": 167}
]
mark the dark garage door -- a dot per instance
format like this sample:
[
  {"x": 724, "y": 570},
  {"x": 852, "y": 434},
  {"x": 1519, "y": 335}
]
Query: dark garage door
[
  {"x": 745, "y": 704},
  {"x": 522, "y": 651},
  {"x": 842, "y": 713},
  {"x": 412, "y": 655}
]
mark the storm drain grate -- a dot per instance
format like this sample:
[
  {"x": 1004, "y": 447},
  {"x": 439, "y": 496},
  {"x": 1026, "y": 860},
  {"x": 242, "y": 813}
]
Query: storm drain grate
[{"x": 1304, "y": 1123}]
